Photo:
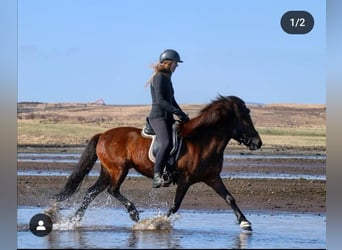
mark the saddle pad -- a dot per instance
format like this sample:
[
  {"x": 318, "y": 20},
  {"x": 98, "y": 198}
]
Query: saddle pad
[{"x": 152, "y": 149}]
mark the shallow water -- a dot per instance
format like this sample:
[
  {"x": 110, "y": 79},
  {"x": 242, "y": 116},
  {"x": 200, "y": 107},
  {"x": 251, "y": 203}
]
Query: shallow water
[
  {"x": 73, "y": 158},
  {"x": 112, "y": 228},
  {"x": 223, "y": 175}
]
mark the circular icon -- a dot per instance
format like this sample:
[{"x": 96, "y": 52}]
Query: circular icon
[{"x": 40, "y": 225}]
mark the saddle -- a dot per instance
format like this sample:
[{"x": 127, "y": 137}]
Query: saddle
[{"x": 148, "y": 132}]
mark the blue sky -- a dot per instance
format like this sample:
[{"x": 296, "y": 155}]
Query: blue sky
[{"x": 81, "y": 51}]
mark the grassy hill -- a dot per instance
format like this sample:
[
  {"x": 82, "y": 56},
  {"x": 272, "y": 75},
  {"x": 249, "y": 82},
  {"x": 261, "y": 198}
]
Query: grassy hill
[{"x": 74, "y": 123}]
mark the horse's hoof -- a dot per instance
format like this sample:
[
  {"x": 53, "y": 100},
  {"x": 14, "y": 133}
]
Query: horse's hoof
[
  {"x": 134, "y": 216},
  {"x": 169, "y": 213},
  {"x": 78, "y": 215},
  {"x": 245, "y": 225}
]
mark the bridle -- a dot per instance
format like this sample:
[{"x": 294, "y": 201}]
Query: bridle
[{"x": 241, "y": 131}]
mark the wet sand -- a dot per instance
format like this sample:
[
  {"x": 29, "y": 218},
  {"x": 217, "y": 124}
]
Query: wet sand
[
  {"x": 251, "y": 194},
  {"x": 293, "y": 195}
]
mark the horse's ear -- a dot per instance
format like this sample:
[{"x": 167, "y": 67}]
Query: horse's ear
[{"x": 223, "y": 98}]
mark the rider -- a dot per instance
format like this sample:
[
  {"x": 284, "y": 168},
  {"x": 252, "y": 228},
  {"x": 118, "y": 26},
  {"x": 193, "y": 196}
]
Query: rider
[{"x": 164, "y": 106}]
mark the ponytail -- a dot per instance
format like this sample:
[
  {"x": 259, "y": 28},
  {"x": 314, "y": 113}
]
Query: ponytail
[{"x": 158, "y": 67}]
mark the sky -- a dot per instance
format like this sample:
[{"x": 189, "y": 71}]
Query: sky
[{"x": 85, "y": 50}]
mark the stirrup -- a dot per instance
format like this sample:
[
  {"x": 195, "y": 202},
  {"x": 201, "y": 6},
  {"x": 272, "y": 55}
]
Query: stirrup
[{"x": 167, "y": 179}]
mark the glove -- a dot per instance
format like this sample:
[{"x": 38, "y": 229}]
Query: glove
[{"x": 182, "y": 116}]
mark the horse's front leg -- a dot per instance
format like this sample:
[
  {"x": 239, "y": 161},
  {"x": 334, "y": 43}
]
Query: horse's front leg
[
  {"x": 133, "y": 212},
  {"x": 180, "y": 193},
  {"x": 222, "y": 191}
]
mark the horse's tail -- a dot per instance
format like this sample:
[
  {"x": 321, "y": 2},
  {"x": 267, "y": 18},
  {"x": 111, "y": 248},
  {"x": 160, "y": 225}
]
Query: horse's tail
[{"x": 83, "y": 167}]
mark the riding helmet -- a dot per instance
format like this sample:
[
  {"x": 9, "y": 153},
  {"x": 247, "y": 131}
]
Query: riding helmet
[{"x": 170, "y": 54}]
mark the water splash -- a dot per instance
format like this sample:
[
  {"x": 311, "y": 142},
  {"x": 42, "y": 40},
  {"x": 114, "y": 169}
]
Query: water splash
[
  {"x": 53, "y": 212},
  {"x": 156, "y": 223},
  {"x": 61, "y": 222}
]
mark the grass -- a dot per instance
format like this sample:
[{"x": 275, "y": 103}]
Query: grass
[
  {"x": 293, "y": 132},
  {"x": 42, "y": 132},
  {"x": 293, "y": 136},
  {"x": 36, "y": 132},
  {"x": 302, "y": 141},
  {"x": 72, "y": 123}
]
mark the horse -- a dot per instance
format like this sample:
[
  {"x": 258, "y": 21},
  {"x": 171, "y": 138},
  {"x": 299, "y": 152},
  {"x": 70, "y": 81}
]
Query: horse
[{"x": 204, "y": 137}]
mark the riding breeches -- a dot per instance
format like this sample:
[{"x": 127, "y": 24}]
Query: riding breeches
[{"x": 163, "y": 131}]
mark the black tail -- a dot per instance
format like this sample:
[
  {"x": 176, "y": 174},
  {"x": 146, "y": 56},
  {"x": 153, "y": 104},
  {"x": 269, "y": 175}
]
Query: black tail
[{"x": 83, "y": 167}]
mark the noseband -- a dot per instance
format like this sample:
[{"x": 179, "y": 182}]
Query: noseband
[{"x": 245, "y": 140}]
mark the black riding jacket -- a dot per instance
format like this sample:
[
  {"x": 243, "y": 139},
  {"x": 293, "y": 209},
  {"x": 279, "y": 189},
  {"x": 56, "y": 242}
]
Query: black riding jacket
[{"x": 163, "y": 101}]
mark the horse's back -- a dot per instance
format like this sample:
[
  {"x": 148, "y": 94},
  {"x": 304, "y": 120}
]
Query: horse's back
[
  {"x": 121, "y": 132},
  {"x": 122, "y": 144},
  {"x": 119, "y": 136}
]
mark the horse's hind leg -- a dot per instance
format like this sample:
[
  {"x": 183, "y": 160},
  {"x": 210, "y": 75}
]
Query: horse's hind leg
[
  {"x": 114, "y": 190},
  {"x": 100, "y": 185},
  {"x": 222, "y": 191},
  {"x": 133, "y": 212}
]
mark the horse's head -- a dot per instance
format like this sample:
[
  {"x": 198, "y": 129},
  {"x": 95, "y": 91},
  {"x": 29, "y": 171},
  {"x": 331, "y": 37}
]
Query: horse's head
[
  {"x": 244, "y": 131},
  {"x": 227, "y": 114}
]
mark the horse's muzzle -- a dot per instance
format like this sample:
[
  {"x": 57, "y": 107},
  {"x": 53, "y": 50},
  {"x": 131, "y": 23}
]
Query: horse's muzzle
[{"x": 255, "y": 143}]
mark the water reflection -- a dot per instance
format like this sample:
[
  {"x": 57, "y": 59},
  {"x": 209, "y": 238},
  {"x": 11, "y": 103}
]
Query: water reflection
[
  {"x": 241, "y": 241},
  {"x": 184, "y": 239},
  {"x": 132, "y": 239},
  {"x": 160, "y": 239}
]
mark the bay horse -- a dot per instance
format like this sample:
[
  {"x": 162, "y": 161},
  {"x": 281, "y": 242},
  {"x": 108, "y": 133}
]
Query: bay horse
[{"x": 205, "y": 138}]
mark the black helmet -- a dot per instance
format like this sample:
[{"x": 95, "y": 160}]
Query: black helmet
[{"x": 170, "y": 54}]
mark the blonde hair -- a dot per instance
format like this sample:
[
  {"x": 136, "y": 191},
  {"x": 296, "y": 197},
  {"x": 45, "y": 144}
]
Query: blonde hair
[{"x": 165, "y": 65}]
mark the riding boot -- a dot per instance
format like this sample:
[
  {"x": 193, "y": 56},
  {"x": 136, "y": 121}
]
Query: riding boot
[{"x": 157, "y": 180}]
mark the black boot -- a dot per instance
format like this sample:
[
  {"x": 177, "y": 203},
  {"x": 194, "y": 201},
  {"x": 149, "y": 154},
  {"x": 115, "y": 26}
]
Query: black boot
[{"x": 157, "y": 180}]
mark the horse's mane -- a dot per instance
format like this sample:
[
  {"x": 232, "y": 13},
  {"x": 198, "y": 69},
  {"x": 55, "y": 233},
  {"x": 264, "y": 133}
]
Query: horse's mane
[{"x": 220, "y": 109}]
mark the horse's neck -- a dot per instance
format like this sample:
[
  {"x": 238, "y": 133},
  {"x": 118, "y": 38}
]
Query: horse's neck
[{"x": 214, "y": 137}]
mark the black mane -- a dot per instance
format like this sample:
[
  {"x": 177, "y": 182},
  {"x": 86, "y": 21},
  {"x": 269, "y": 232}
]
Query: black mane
[{"x": 219, "y": 110}]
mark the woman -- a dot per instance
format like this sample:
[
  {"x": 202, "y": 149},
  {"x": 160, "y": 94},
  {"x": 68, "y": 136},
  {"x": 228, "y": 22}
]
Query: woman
[{"x": 164, "y": 106}]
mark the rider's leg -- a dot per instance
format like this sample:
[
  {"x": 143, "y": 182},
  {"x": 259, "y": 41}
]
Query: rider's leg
[{"x": 163, "y": 131}]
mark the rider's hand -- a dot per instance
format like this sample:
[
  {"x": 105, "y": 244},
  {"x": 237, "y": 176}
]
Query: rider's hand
[
  {"x": 181, "y": 115},
  {"x": 184, "y": 117}
]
